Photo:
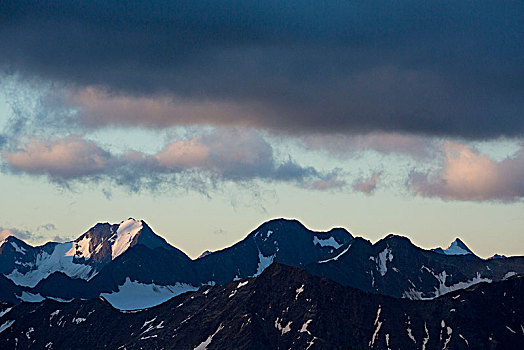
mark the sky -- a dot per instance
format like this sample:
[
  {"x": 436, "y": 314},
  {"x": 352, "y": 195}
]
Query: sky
[{"x": 208, "y": 118}]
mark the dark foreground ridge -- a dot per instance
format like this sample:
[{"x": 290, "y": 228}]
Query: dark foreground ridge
[{"x": 283, "y": 308}]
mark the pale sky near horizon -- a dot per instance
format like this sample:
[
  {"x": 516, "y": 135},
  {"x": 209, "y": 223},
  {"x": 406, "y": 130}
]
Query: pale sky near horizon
[
  {"x": 196, "y": 221},
  {"x": 207, "y": 119}
]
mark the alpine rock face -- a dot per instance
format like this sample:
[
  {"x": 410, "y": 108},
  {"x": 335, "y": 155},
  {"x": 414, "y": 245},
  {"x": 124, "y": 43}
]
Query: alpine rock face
[
  {"x": 285, "y": 241},
  {"x": 282, "y": 308},
  {"x": 394, "y": 266},
  {"x": 82, "y": 258},
  {"x": 132, "y": 268}
]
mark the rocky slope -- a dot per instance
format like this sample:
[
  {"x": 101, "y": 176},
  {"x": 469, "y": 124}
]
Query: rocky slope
[{"x": 283, "y": 308}]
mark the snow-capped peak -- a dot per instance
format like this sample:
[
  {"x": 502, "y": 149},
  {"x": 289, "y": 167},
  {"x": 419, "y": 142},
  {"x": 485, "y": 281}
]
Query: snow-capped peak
[
  {"x": 125, "y": 234},
  {"x": 457, "y": 247}
]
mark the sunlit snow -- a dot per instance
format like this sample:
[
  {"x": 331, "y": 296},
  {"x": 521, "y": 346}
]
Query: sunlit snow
[
  {"x": 46, "y": 264},
  {"x": 125, "y": 234}
]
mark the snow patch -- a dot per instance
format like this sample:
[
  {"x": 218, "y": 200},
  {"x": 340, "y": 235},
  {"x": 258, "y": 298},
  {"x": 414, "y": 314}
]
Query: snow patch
[
  {"x": 509, "y": 274},
  {"x": 31, "y": 298},
  {"x": 443, "y": 289},
  {"x": 18, "y": 249},
  {"x": 78, "y": 320},
  {"x": 53, "y": 314},
  {"x": 263, "y": 263},
  {"x": 205, "y": 343},
  {"x": 377, "y": 325},
  {"x": 426, "y": 338},
  {"x": 46, "y": 264},
  {"x": 285, "y": 329},
  {"x": 336, "y": 257},
  {"x": 6, "y": 325},
  {"x": 410, "y": 334},
  {"x": 242, "y": 284},
  {"x": 383, "y": 258},
  {"x": 304, "y": 327},
  {"x": 465, "y": 340},
  {"x": 134, "y": 295},
  {"x": 448, "y": 331},
  {"x": 2, "y": 313},
  {"x": 328, "y": 242},
  {"x": 298, "y": 291}
]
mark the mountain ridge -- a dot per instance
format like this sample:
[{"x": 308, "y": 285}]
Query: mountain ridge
[
  {"x": 392, "y": 266},
  {"x": 284, "y": 307}
]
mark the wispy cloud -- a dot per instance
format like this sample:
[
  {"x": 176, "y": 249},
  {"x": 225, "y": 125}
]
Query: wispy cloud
[
  {"x": 24, "y": 235},
  {"x": 344, "y": 145},
  {"x": 236, "y": 155},
  {"x": 369, "y": 185}
]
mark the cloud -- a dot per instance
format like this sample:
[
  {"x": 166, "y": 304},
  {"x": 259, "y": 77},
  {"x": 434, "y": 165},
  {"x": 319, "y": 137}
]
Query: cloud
[
  {"x": 331, "y": 183},
  {"x": 67, "y": 158},
  {"x": 46, "y": 227},
  {"x": 20, "y": 234},
  {"x": 196, "y": 162},
  {"x": 369, "y": 185},
  {"x": 60, "y": 239},
  {"x": 467, "y": 175},
  {"x": 385, "y": 143},
  {"x": 407, "y": 67}
]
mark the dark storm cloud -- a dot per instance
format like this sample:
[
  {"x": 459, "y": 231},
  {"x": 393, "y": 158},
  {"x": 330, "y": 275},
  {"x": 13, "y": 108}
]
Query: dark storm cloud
[{"x": 437, "y": 68}]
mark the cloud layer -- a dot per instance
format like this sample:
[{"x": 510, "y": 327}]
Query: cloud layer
[
  {"x": 198, "y": 161},
  {"x": 434, "y": 68}
]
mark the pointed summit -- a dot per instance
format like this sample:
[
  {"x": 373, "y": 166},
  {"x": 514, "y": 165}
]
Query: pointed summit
[{"x": 457, "y": 247}]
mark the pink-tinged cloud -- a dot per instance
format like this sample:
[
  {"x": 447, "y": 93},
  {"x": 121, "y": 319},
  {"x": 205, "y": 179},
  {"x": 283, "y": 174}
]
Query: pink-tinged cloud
[
  {"x": 236, "y": 155},
  {"x": 183, "y": 154},
  {"x": 386, "y": 143},
  {"x": 98, "y": 108},
  {"x": 369, "y": 185},
  {"x": 20, "y": 234},
  {"x": 66, "y": 158},
  {"x": 467, "y": 175}
]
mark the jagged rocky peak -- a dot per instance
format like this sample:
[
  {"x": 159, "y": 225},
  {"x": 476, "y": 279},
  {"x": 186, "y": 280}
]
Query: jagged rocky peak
[
  {"x": 115, "y": 239},
  {"x": 204, "y": 254},
  {"x": 457, "y": 247}
]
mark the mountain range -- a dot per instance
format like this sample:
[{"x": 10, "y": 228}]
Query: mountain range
[{"x": 133, "y": 268}]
